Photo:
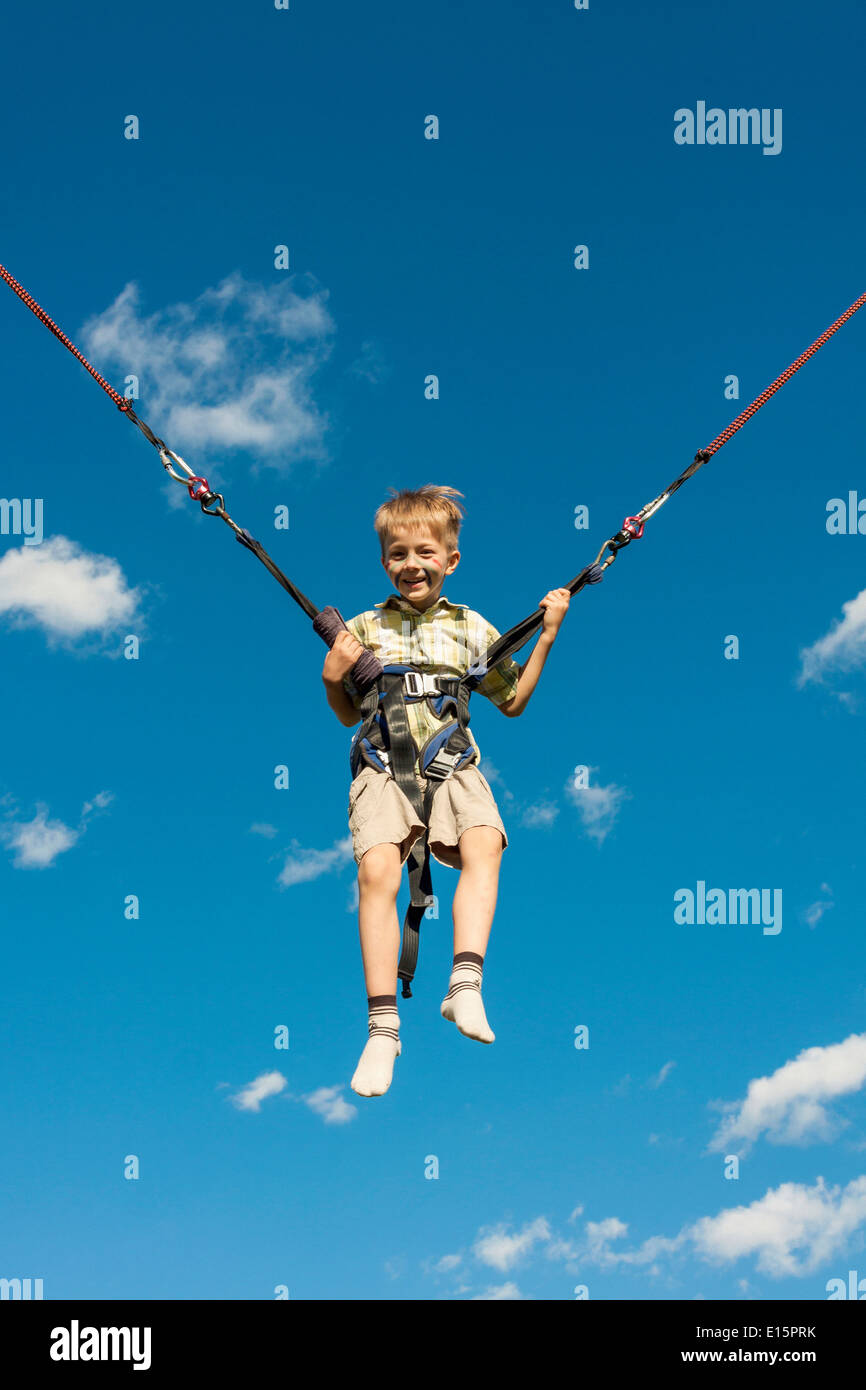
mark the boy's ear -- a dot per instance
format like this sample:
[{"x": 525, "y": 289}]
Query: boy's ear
[{"x": 453, "y": 562}]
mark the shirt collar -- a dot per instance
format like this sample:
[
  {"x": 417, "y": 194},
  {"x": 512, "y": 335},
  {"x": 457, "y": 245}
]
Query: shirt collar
[{"x": 403, "y": 604}]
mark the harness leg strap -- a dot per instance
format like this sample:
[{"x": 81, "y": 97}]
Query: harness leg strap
[
  {"x": 403, "y": 755},
  {"x": 421, "y": 889}
]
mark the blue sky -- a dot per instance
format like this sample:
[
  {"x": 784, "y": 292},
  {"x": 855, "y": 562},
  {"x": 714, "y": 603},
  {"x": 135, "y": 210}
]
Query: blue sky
[{"x": 601, "y": 1168}]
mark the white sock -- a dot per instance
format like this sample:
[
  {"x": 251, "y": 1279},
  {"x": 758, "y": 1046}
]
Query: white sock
[
  {"x": 375, "y": 1069},
  {"x": 462, "y": 1004}
]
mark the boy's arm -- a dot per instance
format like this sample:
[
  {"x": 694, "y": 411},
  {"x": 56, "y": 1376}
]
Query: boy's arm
[
  {"x": 338, "y": 663},
  {"x": 555, "y": 605}
]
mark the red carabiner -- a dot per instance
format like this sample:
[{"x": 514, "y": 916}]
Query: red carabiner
[{"x": 634, "y": 527}]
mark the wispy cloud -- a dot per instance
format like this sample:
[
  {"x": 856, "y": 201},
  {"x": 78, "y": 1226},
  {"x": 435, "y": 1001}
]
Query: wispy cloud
[
  {"x": 843, "y": 648},
  {"x": 598, "y": 806},
  {"x": 656, "y": 1081},
  {"x": 328, "y": 1102},
  {"x": 533, "y": 815},
  {"x": 789, "y": 1107},
  {"x": 815, "y": 911},
  {"x": 250, "y": 1097},
  {"x": 64, "y": 590},
  {"x": 232, "y": 368},
  {"x": 493, "y": 775},
  {"x": 544, "y": 813},
  {"x": 370, "y": 364},
  {"x": 266, "y": 831},
  {"x": 38, "y": 842},
  {"x": 303, "y": 865}
]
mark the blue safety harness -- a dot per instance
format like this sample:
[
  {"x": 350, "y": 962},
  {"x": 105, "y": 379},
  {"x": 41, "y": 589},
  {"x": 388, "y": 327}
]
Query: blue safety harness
[
  {"x": 385, "y": 743},
  {"x": 447, "y": 750}
]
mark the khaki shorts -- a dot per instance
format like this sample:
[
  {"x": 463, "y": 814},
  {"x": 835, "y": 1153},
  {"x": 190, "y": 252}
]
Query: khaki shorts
[{"x": 381, "y": 813}]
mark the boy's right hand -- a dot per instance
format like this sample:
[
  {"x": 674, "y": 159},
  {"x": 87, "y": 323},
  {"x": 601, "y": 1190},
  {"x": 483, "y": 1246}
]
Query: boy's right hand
[{"x": 341, "y": 658}]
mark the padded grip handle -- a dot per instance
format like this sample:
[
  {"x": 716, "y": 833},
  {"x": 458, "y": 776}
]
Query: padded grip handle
[{"x": 368, "y": 668}]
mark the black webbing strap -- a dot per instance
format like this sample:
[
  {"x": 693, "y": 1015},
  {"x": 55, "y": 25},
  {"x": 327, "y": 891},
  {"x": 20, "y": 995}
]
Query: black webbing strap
[
  {"x": 403, "y": 754},
  {"x": 387, "y": 696},
  {"x": 517, "y": 636},
  {"x": 291, "y": 589}
]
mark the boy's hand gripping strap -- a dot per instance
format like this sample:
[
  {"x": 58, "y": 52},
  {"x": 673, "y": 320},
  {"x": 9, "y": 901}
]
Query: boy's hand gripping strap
[{"x": 368, "y": 668}]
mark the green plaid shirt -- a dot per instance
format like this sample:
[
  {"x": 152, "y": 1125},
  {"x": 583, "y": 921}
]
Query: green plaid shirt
[{"x": 445, "y": 639}]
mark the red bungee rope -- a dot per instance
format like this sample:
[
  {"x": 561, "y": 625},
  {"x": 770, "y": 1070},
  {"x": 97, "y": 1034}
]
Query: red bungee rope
[
  {"x": 58, "y": 333},
  {"x": 750, "y": 410}
]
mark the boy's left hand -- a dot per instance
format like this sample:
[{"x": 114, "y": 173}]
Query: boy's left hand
[{"x": 555, "y": 605}]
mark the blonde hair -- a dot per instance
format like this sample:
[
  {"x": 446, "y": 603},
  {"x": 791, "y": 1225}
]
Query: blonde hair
[{"x": 430, "y": 506}]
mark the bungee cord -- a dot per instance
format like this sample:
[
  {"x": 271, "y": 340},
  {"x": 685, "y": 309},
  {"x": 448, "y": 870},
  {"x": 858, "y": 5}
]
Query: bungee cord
[{"x": 327, "y": 621}]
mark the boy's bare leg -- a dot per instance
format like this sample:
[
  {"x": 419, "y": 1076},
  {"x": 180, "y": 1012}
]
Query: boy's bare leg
[
  {"x": 379, "y": 874},
  {"x": 474, "y": 906}
]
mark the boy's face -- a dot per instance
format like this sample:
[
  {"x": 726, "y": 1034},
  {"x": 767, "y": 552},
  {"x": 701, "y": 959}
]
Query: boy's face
[{"x": 417, "y": 562}]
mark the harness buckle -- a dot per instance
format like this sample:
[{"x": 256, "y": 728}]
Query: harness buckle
[
  {"x": 440, "y": 768},
  {"x": 414, "y": 683}
]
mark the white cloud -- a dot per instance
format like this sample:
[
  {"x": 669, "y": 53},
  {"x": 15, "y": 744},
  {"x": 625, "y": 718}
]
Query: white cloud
[
  {"x": 266, "y": 831},
  {"x": 302, "y": 865},
  {"x": 790, "y": 1105},
  {"x": 268, "y": 1083},
  {"x": 230, "y": 369},
  {"x": 37, "y": 843},
  {"x": 64, "y": 590},
  {"x": 598, "y": 806},
  {"x": 328, "y": 1103},
  {"x": 599, "y": 1234},
  {"x": 447, "y": 1263},
  {"x": 495, "y": 1247},
  {"x": 791, "y": 1230},
  {"x": 841, "y": 649}
]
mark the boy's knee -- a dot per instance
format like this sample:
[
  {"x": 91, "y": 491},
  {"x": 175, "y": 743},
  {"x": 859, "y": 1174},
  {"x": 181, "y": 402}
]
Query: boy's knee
[
  {"x": 482, "y": 844},
  {"x": 380, "y": 869}
]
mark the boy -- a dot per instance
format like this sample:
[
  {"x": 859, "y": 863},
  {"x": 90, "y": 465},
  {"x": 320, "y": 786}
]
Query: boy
[{"x": 417, "y": 625}]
